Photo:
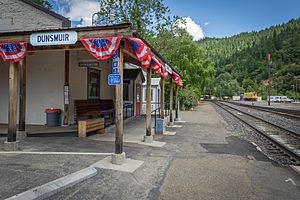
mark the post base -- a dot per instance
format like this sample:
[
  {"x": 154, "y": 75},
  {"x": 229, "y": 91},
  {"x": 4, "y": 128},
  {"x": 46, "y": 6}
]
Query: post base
[
  {"x": 118, "y": 159},
  {"x": 177, "y": 119},
  {"x": 11, "y": 146},
  {"x": 21, "y": 135},
  {"x": 170, "y": 123},
  {"x": 148, "y": 139}
]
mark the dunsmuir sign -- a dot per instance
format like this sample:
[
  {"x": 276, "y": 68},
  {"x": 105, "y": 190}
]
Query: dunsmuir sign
[{"x": 53, "y": 38}]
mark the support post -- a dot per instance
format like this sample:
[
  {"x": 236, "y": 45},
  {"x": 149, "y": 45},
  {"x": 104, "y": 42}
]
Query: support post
[
  {"x": 22, "y": 96},
  {"x": 177, "y": 104},
  {"x": 133, "y": 99},
  {"x": 162, "y": 98},
  {"x": 13, "y": 101},
  {"x": 119, "y": 108},
  {"x": 171, "y": 122},
  {"x": 148, "y": 137},
  {"x": 66, "y": 88}
]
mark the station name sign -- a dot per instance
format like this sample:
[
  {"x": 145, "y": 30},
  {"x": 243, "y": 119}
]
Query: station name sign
[{"x": 53, "y": 38}]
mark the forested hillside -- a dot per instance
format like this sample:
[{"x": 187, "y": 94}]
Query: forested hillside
[{"x": 241, "y": 60}]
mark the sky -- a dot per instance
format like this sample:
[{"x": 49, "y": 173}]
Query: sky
[{"x": 205, "y": 18}]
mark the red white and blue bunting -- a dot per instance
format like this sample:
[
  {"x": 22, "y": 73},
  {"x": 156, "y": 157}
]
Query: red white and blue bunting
[
  {"x": 142, "y": 51},
  {"x": 156, "y": 65},
  {"x": 146, "y": 63},
  {"x": 164, "y": 72},
  {"x": 102, "y": 48},
  {"x": 13, "y": 52},
  {"x": 177, "y": 79}
]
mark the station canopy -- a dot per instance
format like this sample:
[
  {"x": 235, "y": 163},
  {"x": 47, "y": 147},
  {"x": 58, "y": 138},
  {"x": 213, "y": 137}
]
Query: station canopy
[{"x": 102, "y": 42}]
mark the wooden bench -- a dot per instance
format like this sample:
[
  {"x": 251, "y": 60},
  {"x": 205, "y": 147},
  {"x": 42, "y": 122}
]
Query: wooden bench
[
  {"x": 89, "y": 125},
  {"x": 93, "y": 108}
]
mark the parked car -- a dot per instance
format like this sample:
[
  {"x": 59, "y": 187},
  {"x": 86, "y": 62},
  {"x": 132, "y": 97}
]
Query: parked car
[{"x": 279, "y": 99}]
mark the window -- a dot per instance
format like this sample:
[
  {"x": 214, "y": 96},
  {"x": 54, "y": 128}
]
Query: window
[
  {"x": 93, "y": 83},
  {"x": 152, "y": 94}
]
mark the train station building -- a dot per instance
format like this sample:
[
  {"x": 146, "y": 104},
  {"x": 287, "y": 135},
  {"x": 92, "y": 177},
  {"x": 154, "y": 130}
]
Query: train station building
[{"x": 85, "y": 72}]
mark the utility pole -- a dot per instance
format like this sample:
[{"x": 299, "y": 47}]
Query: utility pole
[
  {"x": 294, "y": 93},
  {"x": 269, "y": 78},
  {"x": 296, "y": 88}
]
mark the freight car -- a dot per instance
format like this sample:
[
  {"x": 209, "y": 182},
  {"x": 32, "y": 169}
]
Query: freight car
[{"x": 250, "y": 96}]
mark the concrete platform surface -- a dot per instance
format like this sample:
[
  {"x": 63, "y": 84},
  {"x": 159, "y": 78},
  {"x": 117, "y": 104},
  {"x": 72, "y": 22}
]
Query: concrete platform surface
[{"x": 204, "y": 160}]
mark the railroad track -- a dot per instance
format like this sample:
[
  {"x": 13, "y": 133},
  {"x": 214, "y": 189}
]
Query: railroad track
[
  {"x": 295, "y": 114},
  {"x": 281, "y": 143}
]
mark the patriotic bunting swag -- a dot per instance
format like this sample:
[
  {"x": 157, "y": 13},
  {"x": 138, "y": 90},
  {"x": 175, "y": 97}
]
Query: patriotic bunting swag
[
  {"x": 177, "y": 79},
  {"x": 102, "y": 48},
  {"x": 164, "y": 72},
  {"x": 156, "y": 65},
  {"x": 13, "y": 52},
  {"x": 146, "y": 63},
  {"x": 142, "y": 52}
]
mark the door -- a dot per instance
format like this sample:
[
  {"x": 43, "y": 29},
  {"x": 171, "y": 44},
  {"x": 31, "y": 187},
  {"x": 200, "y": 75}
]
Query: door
[{"x": 138, "y": 100}]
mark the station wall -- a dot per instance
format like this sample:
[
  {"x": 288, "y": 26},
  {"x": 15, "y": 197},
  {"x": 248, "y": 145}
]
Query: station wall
[
  {"x": 3, "y": 91},
  {"x": 79, "y": 79},
  {"x": 45, "y": 84},
  {"x": 45, "y": 79}
]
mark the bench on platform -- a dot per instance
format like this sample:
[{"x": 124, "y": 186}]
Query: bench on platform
[
  {"x": 93, "y": 108},
  {"x": 89, "y": 125}
]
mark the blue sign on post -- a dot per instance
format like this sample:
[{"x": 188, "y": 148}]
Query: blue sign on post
[{"x": 114, "y": 78}]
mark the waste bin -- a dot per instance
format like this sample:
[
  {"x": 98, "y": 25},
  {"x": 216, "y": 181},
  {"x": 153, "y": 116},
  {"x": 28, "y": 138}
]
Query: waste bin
[{"x": 52, "y": 116}]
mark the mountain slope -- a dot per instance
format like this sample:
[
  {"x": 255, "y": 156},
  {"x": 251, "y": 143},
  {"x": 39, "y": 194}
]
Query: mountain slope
[{"x": 242, "y": 59}]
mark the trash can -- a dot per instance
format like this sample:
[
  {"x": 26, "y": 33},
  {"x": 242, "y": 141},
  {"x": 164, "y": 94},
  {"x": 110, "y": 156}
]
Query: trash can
[{"x": 52, "y": 116}]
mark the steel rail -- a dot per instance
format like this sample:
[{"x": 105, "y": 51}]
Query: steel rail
[
  {"x": 284, "y": 148},
  {"x": 279, "y": 111},
  {"x": 272, "y": 124}
]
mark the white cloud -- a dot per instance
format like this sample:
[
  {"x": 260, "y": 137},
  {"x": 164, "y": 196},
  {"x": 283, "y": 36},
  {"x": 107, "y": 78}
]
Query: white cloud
[
  {"x": 79, "y": 10},
  {"x": 206, "y": 23},
  {"x": 192, "y": 28}
]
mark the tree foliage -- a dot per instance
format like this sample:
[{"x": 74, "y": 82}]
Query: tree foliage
[
  {"x": 185, "y": 55},
  {"x": 44, "y": 3},
  {"x": 244, "y": 57},
  {"x": 147, "y": 16},
  {"x": 151, "y": 19}
]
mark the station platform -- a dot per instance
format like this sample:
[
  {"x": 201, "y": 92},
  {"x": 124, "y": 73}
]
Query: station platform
[{"x": 205, "y": 159}]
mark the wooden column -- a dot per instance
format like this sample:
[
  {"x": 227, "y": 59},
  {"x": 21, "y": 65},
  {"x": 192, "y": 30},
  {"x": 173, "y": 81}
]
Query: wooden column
[
  {"x": 22, "y": 95},
  {"x": 133, "y": 98},
  {"x": 176, "y": 103},
  {"x": 66, "y": 87},
  {"x": 148, "y": 103},
  {"x": 171, "y": 101},
  {"x": 162, "y": 98},
  {"x": 13, "y": 101},
  {"x": 119, "y": 108}
]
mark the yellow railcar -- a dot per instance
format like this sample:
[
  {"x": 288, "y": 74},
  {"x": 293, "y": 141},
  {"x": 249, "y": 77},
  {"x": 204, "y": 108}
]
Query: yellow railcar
[{"x": 250, "y": 96}]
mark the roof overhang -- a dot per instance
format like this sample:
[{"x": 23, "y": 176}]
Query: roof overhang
[{"x": 125, "y": 30}]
